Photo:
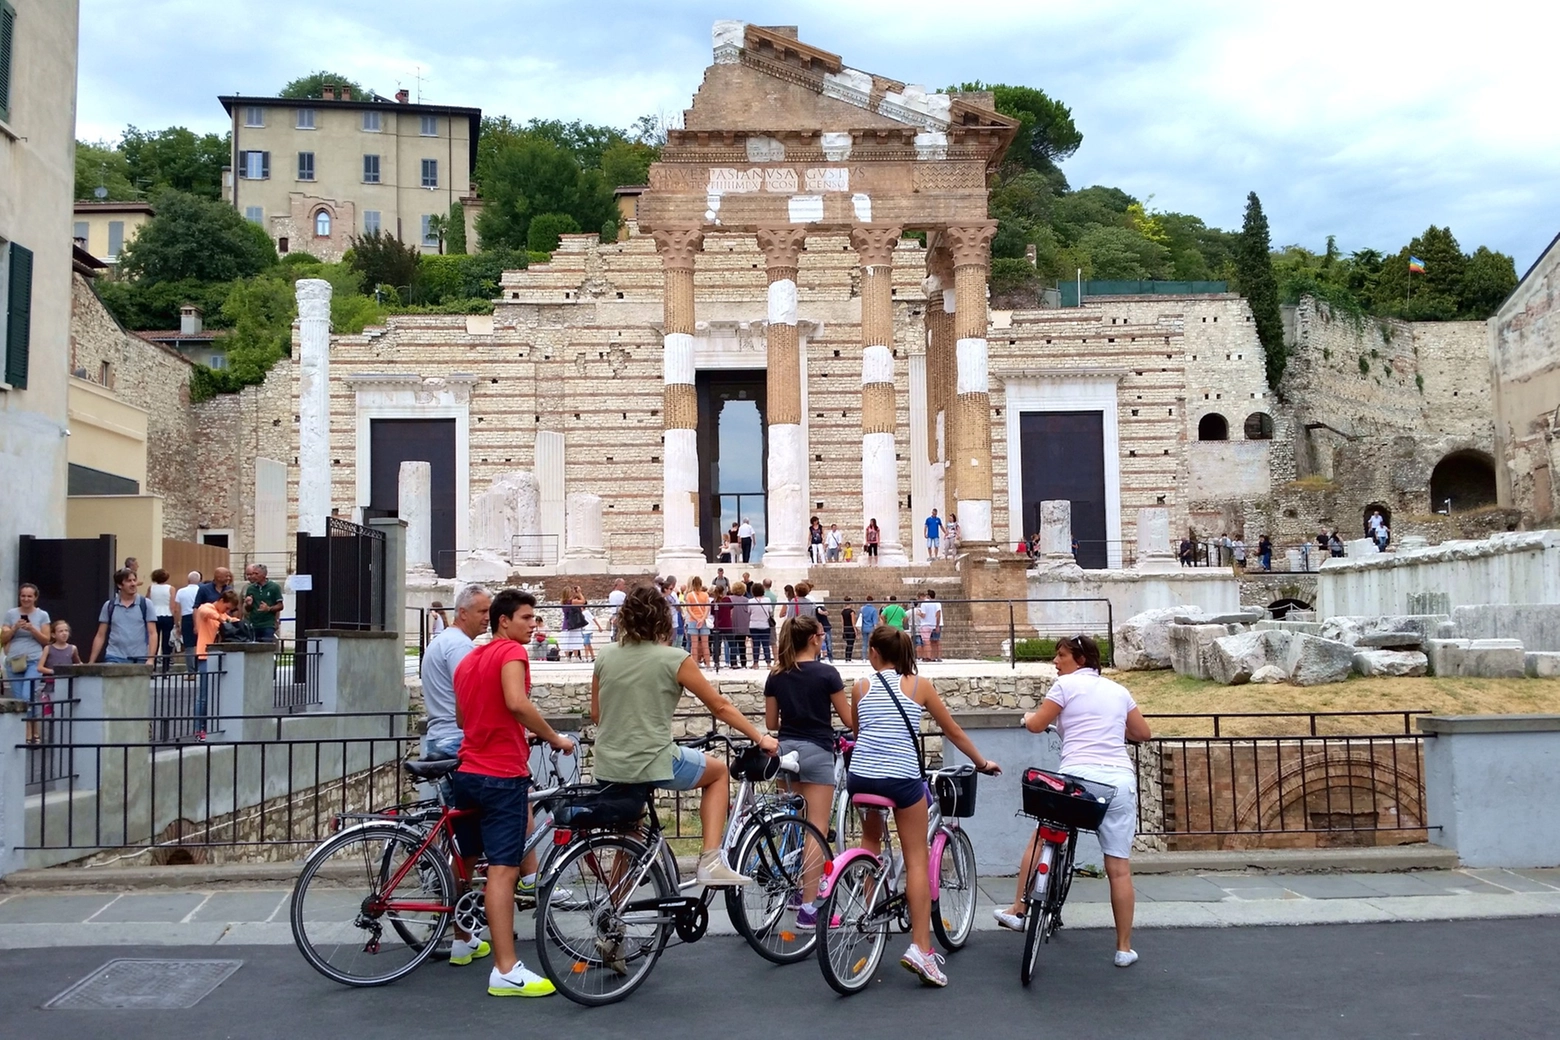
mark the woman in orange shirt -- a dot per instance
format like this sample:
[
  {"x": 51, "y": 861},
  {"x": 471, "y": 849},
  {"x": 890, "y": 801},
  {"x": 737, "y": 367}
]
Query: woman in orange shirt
[
  {"x": 697, "y": 606},
  {"x": 208, "y": 622}
]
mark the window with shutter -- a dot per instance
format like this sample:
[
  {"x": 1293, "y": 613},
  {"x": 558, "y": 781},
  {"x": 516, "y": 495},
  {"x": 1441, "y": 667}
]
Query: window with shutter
[
  {"x": 18, "y": 323},
  {"x": 7, "y": 39}
]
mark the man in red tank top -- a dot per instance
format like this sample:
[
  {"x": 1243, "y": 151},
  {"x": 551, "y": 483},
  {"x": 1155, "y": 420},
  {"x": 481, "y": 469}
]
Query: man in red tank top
[{"x": 493, "y": 710}]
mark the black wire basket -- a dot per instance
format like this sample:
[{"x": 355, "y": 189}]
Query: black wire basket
[{"x": 1067, "y": 801}]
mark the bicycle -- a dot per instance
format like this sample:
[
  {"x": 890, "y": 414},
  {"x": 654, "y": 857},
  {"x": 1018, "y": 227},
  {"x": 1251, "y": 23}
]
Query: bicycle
[
  {"x": 1061, "y": 805},
  {"x": 611, "y": 900},
  {"x": 407, "y": 858},
  {"x": 862, "y": 893}
]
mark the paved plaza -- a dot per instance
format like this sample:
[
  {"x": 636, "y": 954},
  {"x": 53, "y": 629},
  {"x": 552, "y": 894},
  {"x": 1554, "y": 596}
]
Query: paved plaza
[{"x": 1437, "y": 979}]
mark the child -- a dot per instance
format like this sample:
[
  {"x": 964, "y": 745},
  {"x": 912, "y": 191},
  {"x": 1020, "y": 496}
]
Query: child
[
  {"x": 850, "y": 554},
  {"x": 57, "y": 654},
  {"x": 591, "y": 621}
]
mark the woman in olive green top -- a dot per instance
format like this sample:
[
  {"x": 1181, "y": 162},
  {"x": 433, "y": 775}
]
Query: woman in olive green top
[{"x": 637, "y": 685}]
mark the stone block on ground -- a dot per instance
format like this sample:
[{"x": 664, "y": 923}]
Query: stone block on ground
[
  {"x": 1537, "y": 625},
  {"x": 1446, "y": 655},
  {"x": 1308, "y": 628},
  {"x": 1355, "y": 629},
  {"x": 1543, "y": 664},
  {"x": 1390, "y": 641},
  {"x": 1191, "y": 647},
  {"x": 1312, "y": 660},
  {"x": 1269, "y": 673},
  {"x": 1143, "y": 640},
  {"x": 1233, "y": 660},
  {"x": 1479, "y": 658},
  {"x": 1391, "y": 662},
  {"x": 1237, "y": 617}
]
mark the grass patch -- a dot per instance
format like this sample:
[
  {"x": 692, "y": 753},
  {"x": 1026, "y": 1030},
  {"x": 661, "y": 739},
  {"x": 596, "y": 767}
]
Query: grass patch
[
  {"x": 1314, "y": 482},
  {"x": 1044, "y": 649},
  {"x": 1165, "y": 692}
]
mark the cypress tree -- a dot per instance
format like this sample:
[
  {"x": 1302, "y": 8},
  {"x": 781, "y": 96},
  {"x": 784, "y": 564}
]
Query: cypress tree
[{"x": 1254, "y": 267}]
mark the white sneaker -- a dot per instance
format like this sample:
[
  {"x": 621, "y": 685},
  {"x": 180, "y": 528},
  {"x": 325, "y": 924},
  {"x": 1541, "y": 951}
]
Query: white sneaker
[
  {"x": 464, "y": 951},
  {"x": 713, "y": 871},
  {"x": 518, "y": 981},
  {"x": 925, "y": 965},
  {"x": 1126, "y": 958},
  {"x": 1012, "y": 922}
]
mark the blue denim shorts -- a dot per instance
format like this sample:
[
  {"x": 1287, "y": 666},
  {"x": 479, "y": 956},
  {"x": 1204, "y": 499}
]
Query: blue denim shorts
[
  {"x": 687, "y": 770},
  {"x": 903, "y": 793},
  {"x": 505, "y": 813}
]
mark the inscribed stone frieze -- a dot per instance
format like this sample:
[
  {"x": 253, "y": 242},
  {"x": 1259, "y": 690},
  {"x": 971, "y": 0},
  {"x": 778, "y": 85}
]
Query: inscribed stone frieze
[{"x": 725, "y": 180}]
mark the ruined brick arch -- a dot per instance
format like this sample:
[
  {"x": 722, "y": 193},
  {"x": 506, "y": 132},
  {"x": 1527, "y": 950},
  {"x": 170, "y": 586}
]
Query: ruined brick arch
[
  {"x": 1341, "y": 769},
  {"x": 1213, "y": 427},
  {"x": 1258, "y": 427},
  {"x": 1465, "y": 478}
]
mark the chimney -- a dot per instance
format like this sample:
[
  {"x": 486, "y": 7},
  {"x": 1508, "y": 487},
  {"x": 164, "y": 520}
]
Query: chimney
[
  {"x": 328, "y": 91},
  {"x": 346, "y": 92},
  {"x": 403, "y": 96},
  {"x": 190, "y": 320}
]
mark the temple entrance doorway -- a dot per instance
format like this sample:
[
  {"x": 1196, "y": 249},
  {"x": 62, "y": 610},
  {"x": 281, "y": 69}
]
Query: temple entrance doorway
[
  {"x": 394, "y": 441},
  {"x": 1064, "y": 458},
  {"x": 733, "y": 457}
]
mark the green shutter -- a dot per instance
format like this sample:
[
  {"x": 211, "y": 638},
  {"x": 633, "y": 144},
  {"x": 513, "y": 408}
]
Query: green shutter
[
  {"x": 7, "y": 39},
  {"x": 18, "y": 326}
]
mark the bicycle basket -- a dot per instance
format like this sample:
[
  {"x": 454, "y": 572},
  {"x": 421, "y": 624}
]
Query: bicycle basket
[
  {"x": 753, "y": 764},
  {"x": 956, "y": 791},
  {"x": 1065, "y": 800},
  {"x": 587, "y": 806}
]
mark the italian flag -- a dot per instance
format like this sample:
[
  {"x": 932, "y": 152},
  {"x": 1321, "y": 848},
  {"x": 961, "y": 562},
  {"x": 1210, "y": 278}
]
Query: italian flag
[{"x": 1416, "y": 265}]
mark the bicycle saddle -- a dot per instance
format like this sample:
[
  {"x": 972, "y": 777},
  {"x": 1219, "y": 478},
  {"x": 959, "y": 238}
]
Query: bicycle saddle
[{"x": 431, "y": 768}]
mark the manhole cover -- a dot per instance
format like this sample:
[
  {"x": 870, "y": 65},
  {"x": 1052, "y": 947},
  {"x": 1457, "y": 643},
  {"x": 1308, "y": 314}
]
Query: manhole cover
[{"x": 149, "y": 984}]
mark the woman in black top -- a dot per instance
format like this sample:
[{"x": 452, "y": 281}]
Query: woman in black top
[
  {"x": 848, "y": 624},
  {"x": 798, "y": 696}
]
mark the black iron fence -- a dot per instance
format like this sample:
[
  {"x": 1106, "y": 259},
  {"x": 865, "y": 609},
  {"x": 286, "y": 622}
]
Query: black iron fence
[
  {"x": 345, "y": 571},
  {"x": 49, "y": 726},
  {"x": 185, "y": 705},
  {"x": 277, "y": 791},
  {"x": 296, "y": 674}
]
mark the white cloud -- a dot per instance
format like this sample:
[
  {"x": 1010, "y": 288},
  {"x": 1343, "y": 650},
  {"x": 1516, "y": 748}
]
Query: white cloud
[{"x": 1365, "y": 120}]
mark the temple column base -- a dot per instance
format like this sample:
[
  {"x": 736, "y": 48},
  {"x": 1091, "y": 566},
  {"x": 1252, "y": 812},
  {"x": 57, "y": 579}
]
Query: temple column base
[{"x": 680, "y": 560}]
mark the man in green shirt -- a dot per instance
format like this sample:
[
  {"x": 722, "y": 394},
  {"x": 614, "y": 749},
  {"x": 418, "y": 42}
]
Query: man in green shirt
[
  {"x": 894, "y": 614},
  {"x": 263, "y": 602}
]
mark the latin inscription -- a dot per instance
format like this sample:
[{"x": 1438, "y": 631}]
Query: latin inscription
[{"x": 725, "y": 180}]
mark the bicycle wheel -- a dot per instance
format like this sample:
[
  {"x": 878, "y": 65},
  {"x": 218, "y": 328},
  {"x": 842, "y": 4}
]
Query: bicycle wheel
[
  {"x": 419, "y": 880},
  {"x": 784, "y": 855},
  {"x": 598, "y": 929},
  {"x": 953, "y": 912},
  {"x": 347, "y": 892},
  {"x": 1037, "y": 926},
  {"x": 850, "y": 951}
]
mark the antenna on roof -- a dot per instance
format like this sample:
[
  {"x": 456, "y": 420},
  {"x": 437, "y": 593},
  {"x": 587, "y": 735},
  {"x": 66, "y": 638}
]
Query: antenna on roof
[{"x": 419, "y": 83}]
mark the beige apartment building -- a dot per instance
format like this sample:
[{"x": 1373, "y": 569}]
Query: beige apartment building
[
  {"x": 315, "y": 172},
  {"x": 105, "y": 228},
  {"x": 37, "y": 180}
]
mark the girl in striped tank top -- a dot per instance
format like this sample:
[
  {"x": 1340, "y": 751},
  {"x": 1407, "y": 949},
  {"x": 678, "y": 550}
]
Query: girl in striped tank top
[{"x": 888, "y": 706}]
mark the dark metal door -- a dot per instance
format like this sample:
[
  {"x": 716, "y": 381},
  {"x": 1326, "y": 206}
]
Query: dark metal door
[
  {"x": 75, "y": 577},
  {"x": 1064, "y": 458},
  {"x": 394, "y": 441}
]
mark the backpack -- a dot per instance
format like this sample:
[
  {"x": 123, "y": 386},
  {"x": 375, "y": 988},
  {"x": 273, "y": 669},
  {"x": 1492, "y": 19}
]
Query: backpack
[
  {"x": 148, "y": 615},
  {"x": 235, "y": 632}
]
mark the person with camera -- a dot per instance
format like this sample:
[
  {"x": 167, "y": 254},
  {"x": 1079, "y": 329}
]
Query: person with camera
[
  {"x": 23, "y": 636},
  {"x": 209, "y": 619},
  {"x": 1095, "y": 717}
]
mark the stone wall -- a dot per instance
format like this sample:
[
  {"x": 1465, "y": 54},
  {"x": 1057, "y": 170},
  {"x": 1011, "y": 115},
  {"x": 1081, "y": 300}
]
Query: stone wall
[
  {"x": 1525, "y": 366},
  {"x": 152, "y": 377},
  {"x": 231, "y": 431},
  {"x": 1522, "y": 567}
]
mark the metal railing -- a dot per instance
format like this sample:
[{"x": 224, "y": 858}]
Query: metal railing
[
  {"x": 129, "y": 797},
  {"x": 50, "y": 726},
  {"x": 296, "y": 674},
  {"x": 182, "y": 705},
  {"x": 1316, "y": 781}
]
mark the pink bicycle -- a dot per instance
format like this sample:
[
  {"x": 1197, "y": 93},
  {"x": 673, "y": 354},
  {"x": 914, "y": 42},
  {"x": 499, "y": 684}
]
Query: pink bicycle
[{"x": 862, "y": 894}]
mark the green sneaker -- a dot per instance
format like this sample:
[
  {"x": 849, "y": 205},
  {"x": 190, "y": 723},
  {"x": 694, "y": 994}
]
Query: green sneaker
[
  {"x": 519, "y": 982},
  {"x": 464, "y": 951}
]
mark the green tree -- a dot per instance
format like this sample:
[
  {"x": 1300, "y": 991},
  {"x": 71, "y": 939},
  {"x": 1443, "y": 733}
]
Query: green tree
[
  {"x": 1046, "y": 134},
  {"x": 176, "y": 159},
  {"x": 192, "y": 237},
  {"x": 455, "y": 229},
  {"x": 381, "y": 259},
  {"x": 100, "y": 164},
  {"x": 545, "y": 229},
  {"x": 627, "y": 162},
  {"x": 313, "y": 86},
  {"x": 142, "y": 305},
  {"x": 438, "y": 225},
  {"x": 1254, "y": 266},
  {"x": 529, "y": 176},
  {"x": 1488, "y": 279},
  {"x": 1121, "y": 253}
]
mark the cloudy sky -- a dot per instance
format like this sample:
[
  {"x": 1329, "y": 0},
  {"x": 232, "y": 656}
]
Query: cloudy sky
[{"x": 1364, "y": 119}]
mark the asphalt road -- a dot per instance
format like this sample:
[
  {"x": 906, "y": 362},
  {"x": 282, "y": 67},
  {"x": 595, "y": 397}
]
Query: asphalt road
[{"x": 1441, "y": 979}]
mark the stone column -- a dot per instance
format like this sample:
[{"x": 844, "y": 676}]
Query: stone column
[
  {"x": 313, "y": 404},
  {"x": 587, "y": 552},
  {"x": 528, "y": 550},
  {"x": 394, "y": 530},
  {"x": 548, "y": 466},
  {"x": 879, "y": 419},
  {"x": 971, "y": 409},
  {"x": 940, "y": 308},
  {"x": 1155, "y": 554},
  {"x": 680, "y": 548},
  {"x": 414, "y": 504},
  {"x": 1056, "y": 531},
  {"x": 786, "y": 531}
]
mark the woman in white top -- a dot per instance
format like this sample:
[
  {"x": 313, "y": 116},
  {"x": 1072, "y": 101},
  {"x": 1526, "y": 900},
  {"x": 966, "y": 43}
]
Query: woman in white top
[
  {"x": 161, "y": 595},
  {"x": 1095, "y": 717},
  {"x": 887, "y": 762}
]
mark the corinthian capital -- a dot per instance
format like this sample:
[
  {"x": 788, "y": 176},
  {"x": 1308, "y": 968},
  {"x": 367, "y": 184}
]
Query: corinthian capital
[
  {"x": 781, "y": 246},
  {"x": 875, "y": 243},
  {"x": 970, "y": 245},
  {"x": 678, "y": 246}
]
